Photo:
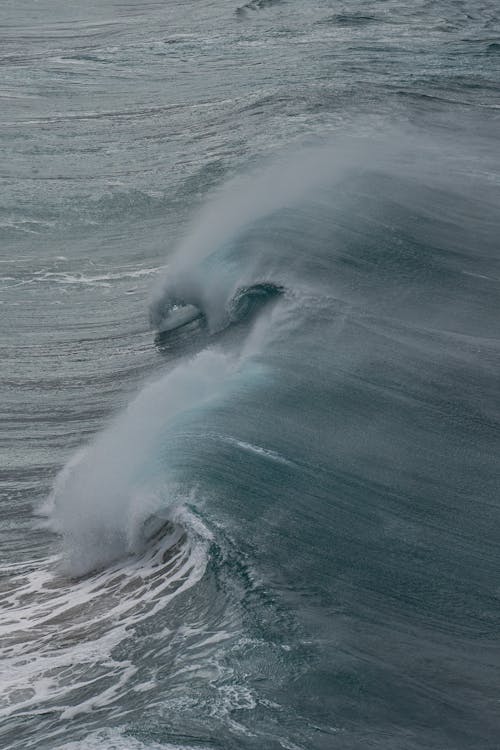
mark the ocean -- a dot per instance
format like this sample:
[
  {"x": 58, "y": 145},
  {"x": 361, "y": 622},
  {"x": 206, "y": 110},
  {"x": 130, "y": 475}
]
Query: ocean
[{"x": 249, "y": 375}]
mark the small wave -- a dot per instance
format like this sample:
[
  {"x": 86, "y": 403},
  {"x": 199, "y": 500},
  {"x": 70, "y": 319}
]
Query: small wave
[
  {"x": 170, "y": 314},
  {"x": 352, "y": 19}
]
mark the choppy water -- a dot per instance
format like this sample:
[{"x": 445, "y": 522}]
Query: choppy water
[{"x": 272, "y": 519}]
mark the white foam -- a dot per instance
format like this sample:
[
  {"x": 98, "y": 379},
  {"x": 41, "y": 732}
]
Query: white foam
[
  {"x": 64, "y": 277},
  {"x": 57, "y": 635},
  {"x": 114, "y": 739},
  {"x": 259, "y": 450}
]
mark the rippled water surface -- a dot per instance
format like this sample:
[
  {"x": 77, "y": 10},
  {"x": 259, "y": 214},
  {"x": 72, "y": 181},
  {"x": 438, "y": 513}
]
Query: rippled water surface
[{"x": 249, "y": 356}]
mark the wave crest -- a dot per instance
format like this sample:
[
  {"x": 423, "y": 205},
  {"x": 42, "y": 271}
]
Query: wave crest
[
  {"x": 113, "y": 498},
  {"x": 172, "y": 312}
]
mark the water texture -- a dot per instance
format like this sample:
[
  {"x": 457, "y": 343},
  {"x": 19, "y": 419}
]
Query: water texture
[{"x": 249, "y": 356}]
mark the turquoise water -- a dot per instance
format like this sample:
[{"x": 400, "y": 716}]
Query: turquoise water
[{"x": 249, "y": 283}]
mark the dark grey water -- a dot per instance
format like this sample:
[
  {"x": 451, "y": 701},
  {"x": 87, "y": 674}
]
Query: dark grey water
[{"x": 273, "y": 520}]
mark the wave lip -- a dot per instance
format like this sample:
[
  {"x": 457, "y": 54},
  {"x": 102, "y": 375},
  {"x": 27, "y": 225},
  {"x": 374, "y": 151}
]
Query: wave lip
[
  {"x": 171, "y": 313},
  {"x": 249, "y": 299},
  {"x": 177, "y": 316}
]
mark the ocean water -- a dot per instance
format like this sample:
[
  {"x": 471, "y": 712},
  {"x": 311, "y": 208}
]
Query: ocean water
[{"x": 249, "y": 373}]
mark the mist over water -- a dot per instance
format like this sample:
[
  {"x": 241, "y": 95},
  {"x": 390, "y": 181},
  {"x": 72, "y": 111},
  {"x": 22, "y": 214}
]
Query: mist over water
[
  {"x": 103, "y": 500},
  {"x": 249, "y": 284}
]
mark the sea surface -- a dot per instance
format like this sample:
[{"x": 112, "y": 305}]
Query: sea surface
[{"x": 249, "y": 375}]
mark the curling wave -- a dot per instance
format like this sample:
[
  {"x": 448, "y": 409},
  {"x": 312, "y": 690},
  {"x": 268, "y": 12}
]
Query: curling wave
[
  {"x": 112, "y": 498},
  {"x": 230, "y": 263},
  {"x": 171, "y": 313}
]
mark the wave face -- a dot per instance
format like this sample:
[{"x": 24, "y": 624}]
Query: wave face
[{"x": 268, "y": 519}]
